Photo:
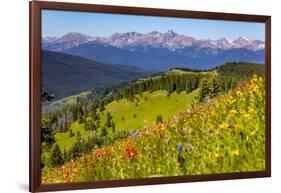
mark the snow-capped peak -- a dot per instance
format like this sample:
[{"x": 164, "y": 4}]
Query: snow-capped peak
[{"x": 168, "y": 39}]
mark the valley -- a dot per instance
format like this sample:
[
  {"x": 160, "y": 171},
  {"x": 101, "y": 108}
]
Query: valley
[{"x": 64, "y": 75}]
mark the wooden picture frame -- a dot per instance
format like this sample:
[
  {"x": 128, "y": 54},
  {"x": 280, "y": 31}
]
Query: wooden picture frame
[{"x": 35, "y": 100}]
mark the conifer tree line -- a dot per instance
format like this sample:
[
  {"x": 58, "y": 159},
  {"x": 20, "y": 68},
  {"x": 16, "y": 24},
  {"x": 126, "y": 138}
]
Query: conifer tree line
[
  {"x": 240, "y": 69},
  {"x": 59, "y": 120},
  {"x": 171, "y": 83},
  {"x": 228, "y": 76}
]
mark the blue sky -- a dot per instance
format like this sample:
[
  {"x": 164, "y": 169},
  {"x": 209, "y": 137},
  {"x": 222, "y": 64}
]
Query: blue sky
[{"x": 58, "y": 23}]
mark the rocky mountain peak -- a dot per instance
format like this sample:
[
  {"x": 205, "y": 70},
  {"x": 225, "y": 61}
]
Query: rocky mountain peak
[{"x": 169, "y": 39}]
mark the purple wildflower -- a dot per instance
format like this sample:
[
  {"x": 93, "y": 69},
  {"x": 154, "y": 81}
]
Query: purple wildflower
[
  {"x": 135, "y": 134},
  {"x": 179, "y": 147}
]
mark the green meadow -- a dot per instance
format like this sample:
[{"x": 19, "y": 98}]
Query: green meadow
[{"x": 145, "y": 107}]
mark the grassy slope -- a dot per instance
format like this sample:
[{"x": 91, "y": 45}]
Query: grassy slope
[
  {"x": 71, "y": 100},
  {"x": 222, "y": 135},
  {"x": 146, "y": 111},
  {"x": 157, "y": 103},
  {"x": 65, "y": 141}
]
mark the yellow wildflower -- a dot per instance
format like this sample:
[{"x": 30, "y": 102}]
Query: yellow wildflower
[
  {"x": 239, "y": 93},
  {"x": 253, "y": 133},
  {"x": 235, "y": 152},
  {"x": 246, "y": 115},
  {"x": 238, "y": 126},
  {"x": 158, "y": 170},
  {"x": 224, "y": 125},
  {"x": 233, "y": 111},
  {"x": 250, "y": 109}
]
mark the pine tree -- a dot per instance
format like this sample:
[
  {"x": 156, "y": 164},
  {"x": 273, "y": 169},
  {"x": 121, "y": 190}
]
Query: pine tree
[
  {"x": 78, "y": 135},
  {"x": 71, "y": 134},
  {"x": 173, "y": 87},
  {"x": 47, "y": 134},
  {"x": 66, "y": 127},
  {"x": 103, "y": 132},
  {"x": 65, "y": 155},
  {"x": 108, "y": 120},
  {"x": 188, "y": 87},
  {"x": 101, "y": 106},
  {"x": 204, "y": 88},
  {"x": 159, "y": 119},
  {"x": 94, "y": 115},
  {"x": 81, "y": 119},
  {"x": 113, "y": 126},
  {"x": 98, "y": 122},
  {"x": 56, "y": 156},
  {"x": 94, "y": 127}
]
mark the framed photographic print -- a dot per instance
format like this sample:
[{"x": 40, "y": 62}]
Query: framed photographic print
[{"x": 123, "y": 96}]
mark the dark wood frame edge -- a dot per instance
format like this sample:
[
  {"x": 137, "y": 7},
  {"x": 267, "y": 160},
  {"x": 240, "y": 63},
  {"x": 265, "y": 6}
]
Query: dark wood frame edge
[{"x": 35, "y": 103}]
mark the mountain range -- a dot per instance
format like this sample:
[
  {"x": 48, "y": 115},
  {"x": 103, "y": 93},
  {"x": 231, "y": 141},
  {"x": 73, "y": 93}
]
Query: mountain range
[
  {"x": 169, "y": 40},
  {"x": 157, "y": 51}
]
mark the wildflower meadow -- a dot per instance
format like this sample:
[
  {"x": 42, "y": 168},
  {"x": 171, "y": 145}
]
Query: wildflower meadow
[{"x": 220, "y": 134}]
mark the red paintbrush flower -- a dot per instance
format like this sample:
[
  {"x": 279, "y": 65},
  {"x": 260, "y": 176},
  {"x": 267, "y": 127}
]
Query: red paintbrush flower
[{"x": 131, "y": 152}]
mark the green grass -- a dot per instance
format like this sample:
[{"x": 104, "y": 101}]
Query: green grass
[
  {"x": 64, "y": 140},
  {"x": 157, "y": 103}
]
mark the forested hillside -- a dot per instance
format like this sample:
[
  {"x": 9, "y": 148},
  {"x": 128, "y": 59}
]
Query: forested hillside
[
  {"x": 170, "y": 112},
  {"x": 64, "y": 74}
]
